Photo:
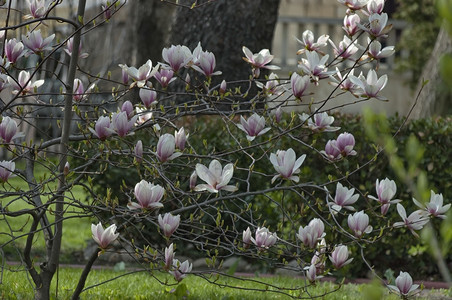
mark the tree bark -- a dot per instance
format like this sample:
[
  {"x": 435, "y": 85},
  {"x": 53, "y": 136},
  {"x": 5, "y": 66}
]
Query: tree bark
[{"x": 431, "y": 101}]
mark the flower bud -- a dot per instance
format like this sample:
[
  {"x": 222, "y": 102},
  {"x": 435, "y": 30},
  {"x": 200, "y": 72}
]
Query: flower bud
[
  {"x": 193, "y": 179},
  {"x": 139, "y": 151},
  {"x": 223, "y": 87},
  {"x": 66, "y": 169}
]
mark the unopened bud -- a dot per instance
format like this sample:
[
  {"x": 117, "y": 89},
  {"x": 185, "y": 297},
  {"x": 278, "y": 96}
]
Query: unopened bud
[
  {"x": 66, "y": 169},
  {"x": 193, "y": 179},
  {"x": 139, "y": 151},
  {"x": 223, "y": 87}
]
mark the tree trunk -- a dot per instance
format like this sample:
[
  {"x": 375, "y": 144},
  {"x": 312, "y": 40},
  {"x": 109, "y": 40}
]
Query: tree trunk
[{"x": 432, "y": 99}]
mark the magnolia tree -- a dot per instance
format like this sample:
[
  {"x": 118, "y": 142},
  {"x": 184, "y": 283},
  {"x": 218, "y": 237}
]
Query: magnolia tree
[{"x": 189, "y": 192}]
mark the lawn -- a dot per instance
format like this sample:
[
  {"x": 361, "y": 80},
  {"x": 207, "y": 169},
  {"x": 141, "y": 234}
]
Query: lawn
[{"x": 147, "y": 286}]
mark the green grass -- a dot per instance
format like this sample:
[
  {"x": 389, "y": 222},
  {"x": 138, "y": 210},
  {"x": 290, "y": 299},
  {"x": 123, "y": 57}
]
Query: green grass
[
  {"x": 144, "y": 286},
  {"x": 76, "y": 231}
]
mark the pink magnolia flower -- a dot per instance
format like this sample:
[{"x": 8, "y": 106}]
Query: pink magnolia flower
[
  {"x": 415, "y": 221},
  {"x": 14, "y": 50},
  {"x": 314, "y": 66},
  {"x": 8, "y": 130},
  {"x": 253, "y": 127},
  {"x": 6, "y": 170},
  {"x": 278, "y": 114},
  {"x": 138, "y": 151},
  {"x": 37, "y": 9},
  {"x": 359, "y": 223},
  {"x": 377, "y": 25},
  {"x": 353, "y": 4},
  {"x": 375, "y": 51},
  {"x": 67, "y": 168},
  {"x": 222, "y": 87},
  {"x": 404, "y": 284},
  {"x": 143, "y": 116},
  {"x": 166, "y": 147},
  {"x": 259, "y": 60},
  {"x": 165, "y": 77},
  {"x": 206, "y": 64},
  {"x": 386, "y": 190},
  {"x": 169, "y": 256},
  {"x": 286, "y": 164},
  {"x": 78, "y": 90},
  {"x": 104, "y": 237},
  {"x": 24, "y": 85},
  {"x": 125, "y": 76},
  {"x": 344, "y": 198},
  {"x": 311, "y": 273},
  {"x": 148, "y": 97},
  {"x": 345, "y": 143},
  {"x": 181, "y": 269},
  {"x": 169, "y": 224},
  {"x": 127, "y": 107},
  {"x": 435, "y": 207},
  {"x": 312, "y": 233},
  {"x": 344, "y": 82},
  {"x": 339, "y": 256},
  {"x": 192, "y": 181},
  {"x": 351, "y": 24},
  {"x": 142, "y": 74},
  {"x": 180, "y": 138},
  {"x": 299, "y": 84},
  {"x": 177, "y": 57},
  {"x": 101, "y": 129},
  {"x": 34, "y": 41},
  {"x": 371, "y": 86},
  {"x": 345, "y": 49},
  {"x": 246, "y": 237},
  {"x": 121, "y": 124},
  {"x": 272, "y": 85},
  {"x": 331, "y": 151},
  {"x": 319, "y": 122},
  {"x": 264, "y": 239},
  {"x": 216, "y": 177},
  {"x": 309, "y": 43},
  {"x": 148, "y": 196},
  {"x": 375, "y": 6},
  {"x": 69, "y": 49}
]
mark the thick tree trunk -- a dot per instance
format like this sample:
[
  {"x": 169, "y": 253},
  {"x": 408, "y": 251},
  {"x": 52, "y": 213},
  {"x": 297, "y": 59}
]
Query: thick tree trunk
[{"x": 432, "y": 99}]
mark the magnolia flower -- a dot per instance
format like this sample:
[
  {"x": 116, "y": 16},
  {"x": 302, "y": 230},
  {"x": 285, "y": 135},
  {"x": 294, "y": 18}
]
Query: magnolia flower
[
  {"x": 78, "y": 90},
  {"x": 375, "y": 51},
  {"x": 319, "y": 122},
  {"x": 148, "y": 196},
  {"x": 404, "y": 284},
  {"x": 345, "y": 49},
  {"x": 177, "y": 57},
  {"x": 308, "y": 42},
  {"x": 8, "y": 130},
  {"x": 318, "y": 259},
  {"x": 14, "y": 50},
  {"x": 371, "y": 86},
  {"x": 286, "y": 164},
  {"x": 101, "y": 129},
  {"x": 34, "y": 41},
  {"x": 142, "y": 74},
  {"x": 311, "y": 273},
  {"x": 104, "y": 237},
  {"x": 222, "y": 89},
  {"x": 415, "y": 221},
  {"x": 344, "y": 198},
  {"x": 143, "y": 116},
  {"x": 375, "y": 6},
  {"x": 138, "y": 151},
  {"x": 278, "y": 114},
  {"x": 6, "y": 170},
  {"x": 377, "y": 25},
  {"x": 299, "y": 84},
  {"x": 24, "y": 85},
  {"x": 148, "y": 97},
  {"x": 313, "y": 232},
  {"x": 339, "y": 256},
  {"x": 169, "y": 224},
  {"x": 127, "y": 107},
  {"x": 246, "y": 236},
  {"x": 108, "y": 11},
  {"x": 331, "y": 151},
  {"x": 359, "y": 223},
  {"x": 165, "y": 77},
  {"x": 169, "y": 256},
  {"x": 69, "y": 49},
  {"x": 386, "y": 190},
  {"x": 196, "y": 55},
  {"x": 264, "y": 238},
  {"x": 180, "y": 138},
  {"x": 216, "y": 177},
  {"x": 345, "y": 83},
  {"x": 121, "y": 124},
  {"x": 253, "y": 127},
  {"x": 193, "y": 178},
  {"x": 435, "y": 207},
  {"x": 351, "y": 24},
  {"x": 166, "y": 147},
  {"x": 180, "y": 269},
  {"x": 354, "y": 4},
  {"x": 315, "y": 66},
  {"x": 345, "y": 143},
  {"x": 37, "y": 9},
  {"x": 259, "y": 60},
  {"x": 206, "y": 64},
  {"x": 124, "y": 76},
  {"x": 271, "y": 86}
]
